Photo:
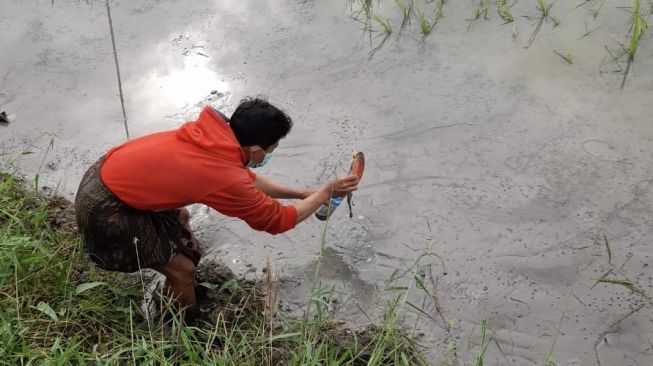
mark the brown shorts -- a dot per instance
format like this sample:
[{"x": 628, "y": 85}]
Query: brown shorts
[{"x": 121, "y": 238}]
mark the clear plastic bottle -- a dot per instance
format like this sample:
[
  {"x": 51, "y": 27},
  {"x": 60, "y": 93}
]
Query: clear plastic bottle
[{"x": 327, "y": 209}]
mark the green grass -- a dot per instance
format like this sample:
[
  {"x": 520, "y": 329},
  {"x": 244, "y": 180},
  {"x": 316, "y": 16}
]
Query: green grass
[{"x": 57, "y": 309}]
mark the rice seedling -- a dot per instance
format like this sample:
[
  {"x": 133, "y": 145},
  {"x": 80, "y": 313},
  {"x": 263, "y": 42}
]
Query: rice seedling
[
  {"x": 479, "y": 358},
  {"x": 638, "y": 29},
  {"x": 386, "y": 28},
  {"x": 628, "y": 49},
  {"x": 544, "y": 9},
  {"x": 439, "y": 9},
  {"x": 364, "y": 15},
  {"x": 424, "y": 25},
  {"x": 406, "y": 7},
  {"x": 565, "y": 55},
  {"x": 503, "y": 8},
  {"x": 481, "y": 11},
  {"x": 384, "y": 23}
]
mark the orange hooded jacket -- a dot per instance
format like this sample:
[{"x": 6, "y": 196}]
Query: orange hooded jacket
[{"x": 201, "y": 162}]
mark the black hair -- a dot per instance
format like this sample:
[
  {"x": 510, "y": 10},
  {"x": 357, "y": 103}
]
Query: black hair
[{"x": 257, "y": 122}]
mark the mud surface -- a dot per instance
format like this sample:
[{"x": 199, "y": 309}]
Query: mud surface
[{"x": 498, "y": 167}]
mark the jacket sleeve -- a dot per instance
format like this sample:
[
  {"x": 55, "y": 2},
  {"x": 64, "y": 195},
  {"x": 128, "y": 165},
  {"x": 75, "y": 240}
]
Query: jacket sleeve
[{"x": 257, "y": 209}]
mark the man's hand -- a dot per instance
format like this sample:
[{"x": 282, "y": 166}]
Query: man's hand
[
  {"x": 340, "y": 186},
  {"x": 336, "y": 187}
]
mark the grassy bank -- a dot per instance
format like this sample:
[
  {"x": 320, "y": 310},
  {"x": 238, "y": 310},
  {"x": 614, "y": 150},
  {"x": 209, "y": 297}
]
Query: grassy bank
[{"x": 56, "y": 308}]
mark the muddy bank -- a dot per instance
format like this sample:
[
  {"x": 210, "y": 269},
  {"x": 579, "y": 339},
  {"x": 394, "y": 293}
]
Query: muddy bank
[{"x": 230, "y": 304}]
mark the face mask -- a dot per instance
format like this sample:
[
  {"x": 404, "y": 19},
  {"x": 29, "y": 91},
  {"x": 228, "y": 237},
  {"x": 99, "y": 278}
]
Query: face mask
[{"x": 254, "y": 165}]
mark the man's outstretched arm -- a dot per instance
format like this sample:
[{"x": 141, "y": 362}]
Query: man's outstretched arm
[{"x": 280, "y": 191}]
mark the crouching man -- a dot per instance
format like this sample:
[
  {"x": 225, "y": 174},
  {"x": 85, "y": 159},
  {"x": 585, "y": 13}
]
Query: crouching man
[{"x": 130, "y": 203}]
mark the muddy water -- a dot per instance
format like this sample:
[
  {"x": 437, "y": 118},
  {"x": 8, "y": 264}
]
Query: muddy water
[{"x": 492, "y": 168}]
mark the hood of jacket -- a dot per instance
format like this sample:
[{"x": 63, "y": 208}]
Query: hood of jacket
[{"x": 212, "y": 132}]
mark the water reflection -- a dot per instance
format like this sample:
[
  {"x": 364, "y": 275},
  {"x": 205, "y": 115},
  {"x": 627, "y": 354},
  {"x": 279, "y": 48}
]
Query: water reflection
[{"x": 181, "y": 82}]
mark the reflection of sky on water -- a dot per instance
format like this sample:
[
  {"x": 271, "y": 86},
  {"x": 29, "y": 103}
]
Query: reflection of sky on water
[{"x": 174, "y": 87}]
